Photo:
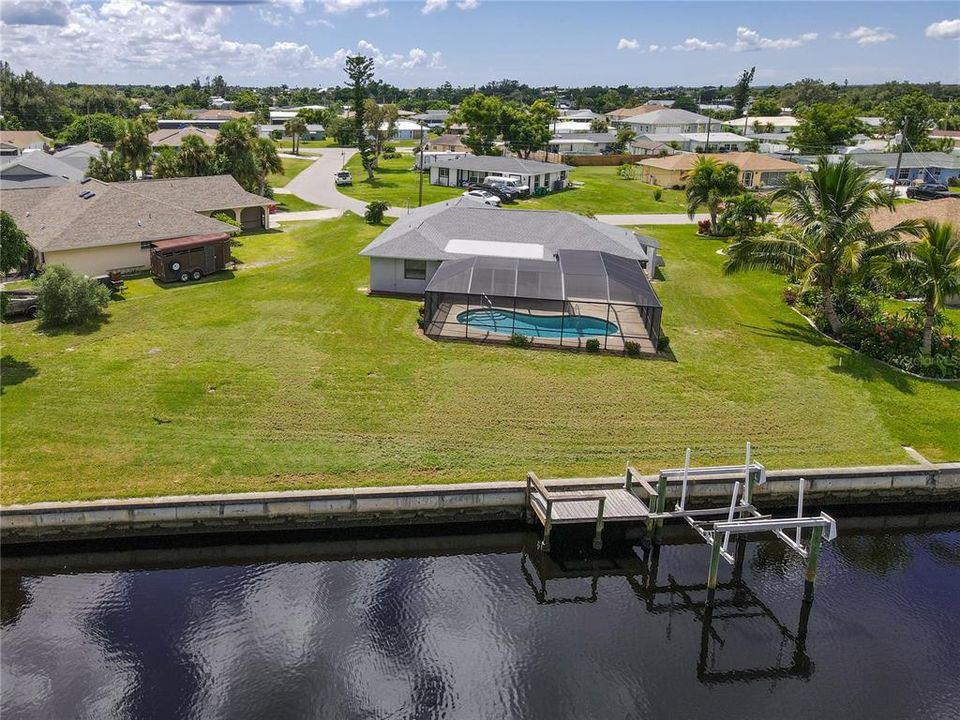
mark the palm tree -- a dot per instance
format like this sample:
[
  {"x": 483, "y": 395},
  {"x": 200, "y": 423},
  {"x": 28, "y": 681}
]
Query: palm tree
[
  {"x": 234, "y": 149},
  {"x": 745, "y": 212},
  {"x": 196, "y": 157},
  {"x": 295, "y": 127},
  {"x": 108, "y": 167},
  {"x": 267, "y": 160},
  {"x": 133, "y": 146},
  {"x": 710, "y": 183},
  {"x": 166, "y": 164},
  {"x": 826, "y": 231},
  {"x": 929, "y": 267}
]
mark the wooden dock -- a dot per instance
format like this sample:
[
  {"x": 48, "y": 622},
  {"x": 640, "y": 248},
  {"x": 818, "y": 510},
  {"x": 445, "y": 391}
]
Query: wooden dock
[{"x": 569, "y": 507}]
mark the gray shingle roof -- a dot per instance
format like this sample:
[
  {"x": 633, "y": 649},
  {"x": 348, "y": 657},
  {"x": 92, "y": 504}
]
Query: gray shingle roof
[
  {"x": 606, "y": 137},
  {"x": 498, "y": 164},
  {"x": 59, "y": 219},
  {"x": 910, "y": 160},
  {"x": 37, "y": 169},
  {"x": 173, "y": 137},
  {"x": 424, "y": 233},
  {"x": 205, "y": 193},
  {"x": 669, "y": 116}
]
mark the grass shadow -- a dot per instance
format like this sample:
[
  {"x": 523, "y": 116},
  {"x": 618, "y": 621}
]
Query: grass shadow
[
  {"x": 88, "y": 328},
  {"x": 220, "y": 276},
  {"x": 798, "y": 331},
  {"x": 14, "y": 372}
]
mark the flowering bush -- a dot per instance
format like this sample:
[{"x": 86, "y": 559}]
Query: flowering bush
[{"x": 703, "y": 227}]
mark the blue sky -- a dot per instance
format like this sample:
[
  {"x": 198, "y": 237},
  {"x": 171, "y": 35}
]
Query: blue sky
[{"x": 427, "y": 42}]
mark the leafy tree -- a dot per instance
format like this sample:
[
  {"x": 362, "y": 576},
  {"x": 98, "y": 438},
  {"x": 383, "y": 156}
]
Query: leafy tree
[
  {"x": 920, "y": 111},
  {"x": 234, "y": 151},
  {"x": 313, "y": 116},
  {"x": 741, "y": 91},
  {"x": 527, "y": 130},
  {"x": 295, "y": 127},
  {"x": 108, "y": 167},
  {"x": 196, "y": 158},
  {"x": 10, "y": 122},
  {"x": 65, "y": 297},
  {"x": 625, "y": 136},
  {"x": 13, "y": 243},
  {"x": 98, "y": 127},
  {"x": 133, "y": 147},
  {"x": 267, "y": 161},
  {"x": 710, "y": 183},
  {"x": 685, "y": 102},
  {"x": 375, "y": 211},
  {"x": 599, "y": 125},
  {"x": 218, "y": 86},
  {"x": 342, "y": 131},
  {"x": 483, "y": 117},
  {"x": 826, "y": 232},
  {"x": 380, "y": 123},
  {"x": 824, "y": 126},
  {"x": 261, "y": 115},
  {"x": 360, "y": 72},
  {"x": 765, "y": 107},
  {"x": 929, "y": 268},
  {"x": 166, "y": 163}
]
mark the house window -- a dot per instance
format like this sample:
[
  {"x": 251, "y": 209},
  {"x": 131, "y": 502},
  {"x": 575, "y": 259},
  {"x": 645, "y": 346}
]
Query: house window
[
  {"x": 748, "y": 178},
  {"x": 904, "y": 174},
  {"x": 414, "y": 269},
  {"x": 444, "y": 173}
]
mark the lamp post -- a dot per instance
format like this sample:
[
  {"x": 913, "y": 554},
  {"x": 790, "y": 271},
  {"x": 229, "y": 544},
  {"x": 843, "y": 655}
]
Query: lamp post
[
  {"x": 342, "y": 160},
  {"x": 901, "y": 138}
]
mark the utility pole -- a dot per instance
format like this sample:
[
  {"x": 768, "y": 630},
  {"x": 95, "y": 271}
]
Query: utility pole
[
  {"x": 709, "y": 125},
  {"x": 422, "y": 142},
  {"x": 903, "y": 139}
]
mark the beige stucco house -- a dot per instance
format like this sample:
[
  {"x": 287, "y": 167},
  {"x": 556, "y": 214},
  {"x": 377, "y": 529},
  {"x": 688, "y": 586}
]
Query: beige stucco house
[{"x": 756, "y": 171}]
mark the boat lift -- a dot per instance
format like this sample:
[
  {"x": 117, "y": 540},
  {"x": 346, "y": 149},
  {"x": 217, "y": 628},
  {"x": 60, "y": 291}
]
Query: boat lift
[{"x": 716, "y": 525}]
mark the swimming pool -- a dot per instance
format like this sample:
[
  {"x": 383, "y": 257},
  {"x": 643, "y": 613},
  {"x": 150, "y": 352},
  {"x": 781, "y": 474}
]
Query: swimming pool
[{"x": 507, "y": 322}]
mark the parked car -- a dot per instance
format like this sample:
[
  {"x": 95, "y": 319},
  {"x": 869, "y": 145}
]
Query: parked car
[
  {"x": 508, "y": 182},
  {"x": 20, "y": 302},
  {"x": 343, "y": 178},
  {"x": 505, "y": 195},
  {"x": 928, "y": 191},
  {"x": 487, "y": 198}
]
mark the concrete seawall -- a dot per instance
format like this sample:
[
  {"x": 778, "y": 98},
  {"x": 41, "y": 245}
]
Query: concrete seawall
[{"x": 426, "y": 504}]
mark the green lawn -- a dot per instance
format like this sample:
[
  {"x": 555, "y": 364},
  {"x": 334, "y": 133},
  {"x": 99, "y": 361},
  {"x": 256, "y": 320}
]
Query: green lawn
[
  {"x": 285, "y": 374},
  {"x": 287, "y": 144},
  {"x": 291, "y": 168},
  {"x": 395, "y": 183},
  {"x": 287, "y": 202},
  {"x": 604, "y": 192}
]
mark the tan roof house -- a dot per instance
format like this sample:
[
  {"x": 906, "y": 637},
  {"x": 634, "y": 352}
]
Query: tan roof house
[
  {"x": 95, "y": 227},
  {"x": 756, "y": 171},
  {"x": 446, "y": 143},
  {"x": 173, "y": 137},
  {"x": 615, "y": 116},
  {"x": 25, "y": 139}
]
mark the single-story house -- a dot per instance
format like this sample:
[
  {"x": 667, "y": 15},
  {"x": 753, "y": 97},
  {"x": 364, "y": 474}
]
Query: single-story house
[
  {"x": 749, "y": 125},
  {"x": 756, "y": 171},
  {"x": 25, "y": 140},
  {"x": 584, "y": 116},
  {"x": 617, "y": 116},
  {"x": 218, "y": 114},
  {"x": 97, "y": 228},
  {"x": 220, "y": 103},
  {"x": 432, "y": 118},
  {"x": 646, "y": 146},
  {"x": 931, "y": 167},
  {"x": 569, "y": 127},
  {"x": 8, "y": 149},
  {"x": 952, "y": 135},
  {"x": 446, "y": 143},
  {"x": 583, "y": 143},
  {"x": 558, "y": 269},
  {"x": 173, "y": 137},
  {"x": 668, "y": 120},
  {"x": 36, "y": 169},
  {"x": 405, "y": 130},
  {"x": 715, "y": 107},
  {"x": 79, "y": 155},
  {"x": 461, "y": 171},
  {"x": 197, "y": 122},
  {"x": 697, "y": 142},
  {"x": 207, "y": 195},
  {"x": 773, "y": 142}
]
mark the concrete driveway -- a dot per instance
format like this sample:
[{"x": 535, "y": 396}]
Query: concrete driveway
[{"x": 316, "y": 183}]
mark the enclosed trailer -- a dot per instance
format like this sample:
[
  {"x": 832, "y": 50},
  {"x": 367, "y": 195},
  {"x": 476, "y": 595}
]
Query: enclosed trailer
[{"x": 189, "y": 258}]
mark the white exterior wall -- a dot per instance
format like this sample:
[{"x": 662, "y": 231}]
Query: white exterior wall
[
  {"x": 386, "y": 276},
  {"x": 95, "y": 261}
]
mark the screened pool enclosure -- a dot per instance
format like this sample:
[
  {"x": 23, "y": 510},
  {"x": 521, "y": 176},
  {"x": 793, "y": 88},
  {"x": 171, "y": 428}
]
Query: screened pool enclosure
[{"x": 564, "y": 302}]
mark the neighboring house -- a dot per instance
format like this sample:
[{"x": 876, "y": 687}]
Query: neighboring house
[
  {"x": 583, "y": 143},
  {"x": 953, "y": 135},
  {"x": 25, "y": 140},
  {"x": 645, "y": 146},
  {"x": 716, "y": 107},
  {"x": 569, "y": 127},
  {"x": 96, "y": 228},
  {"x": 697, "y": 142},
  {"x": 219, "y": 103},
  {"x": 432, "y": 118},
  {"x": 446, "y": 143},
  {"x": 79, "y": 155},
  {"x": 458, "y": 172},
  {"x": 207, "y": 195},
  {"x": 931, "y": 167},
  {"x": 404, "y": 258},
  {"x": 173, "y": 137},
  {"x": 777, "y": 143},
  {"x": 668, "y": 120},
  {"x": 617, "y": 116},
  {"x": 664, "y": 103},
  {"x": 778, "y": 124},
  {"x": 584, "y": 116},
  {"x": 205, "y": 123},
  {"x": 8, "y": 149},
  {"x": 405, "y": 130},
  {"x": 218, "y": 114},
  {"x": 37, "y": 170},
  {"x": 756, "y": 171}
]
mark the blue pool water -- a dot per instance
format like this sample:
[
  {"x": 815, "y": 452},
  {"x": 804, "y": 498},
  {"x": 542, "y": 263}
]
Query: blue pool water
[{"x": 549, "y": 326}]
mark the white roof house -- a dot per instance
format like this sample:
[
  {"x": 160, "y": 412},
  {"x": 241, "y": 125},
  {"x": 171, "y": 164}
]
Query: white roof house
[
  {"x": 779, "y": 123},
  {"x": 669, "y": 120}
]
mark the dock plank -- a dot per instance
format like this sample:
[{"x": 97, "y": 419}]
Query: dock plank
[{"x": 619, "y": 505}]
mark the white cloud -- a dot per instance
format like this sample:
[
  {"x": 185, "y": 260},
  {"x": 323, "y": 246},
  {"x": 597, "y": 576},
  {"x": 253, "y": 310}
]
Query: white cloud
[
  {"x": 694, "y": 44},
  {"x": 655, "y": 48},
  {"x": 468, "y": 5},
  {"x": 377, "y": 12},
  {"x": 750, "y": 40},
  {"x": 35, "y": 12},
  {"x": 414, "y": 58},
  {"x": 864, "y": 35},
  {"x": 626, "y": 44},
  {"x": 945, "y": 29},
  {"x": 320, "y": 22},
  {"x": 431, "y": 6},
  {"x": 342, "y": 6}
]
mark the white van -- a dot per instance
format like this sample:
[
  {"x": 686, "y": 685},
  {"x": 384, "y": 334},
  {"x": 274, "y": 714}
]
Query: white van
[{"x": 508, "y": 182}]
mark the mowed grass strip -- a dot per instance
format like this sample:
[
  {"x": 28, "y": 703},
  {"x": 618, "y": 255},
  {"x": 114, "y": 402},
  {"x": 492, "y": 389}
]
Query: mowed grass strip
[
  {"x": 285, "y": 374},
  {"x": 605, "y": 192},
  {"x": 395, "y": 183},
  {"x": 291, "y": 168}
]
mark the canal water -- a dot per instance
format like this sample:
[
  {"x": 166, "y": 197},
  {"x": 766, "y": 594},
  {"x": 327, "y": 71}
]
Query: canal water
[{"x": 484, "y": 626}]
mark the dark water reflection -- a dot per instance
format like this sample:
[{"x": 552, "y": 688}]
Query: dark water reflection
[{"x": 485, "y": 626}]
